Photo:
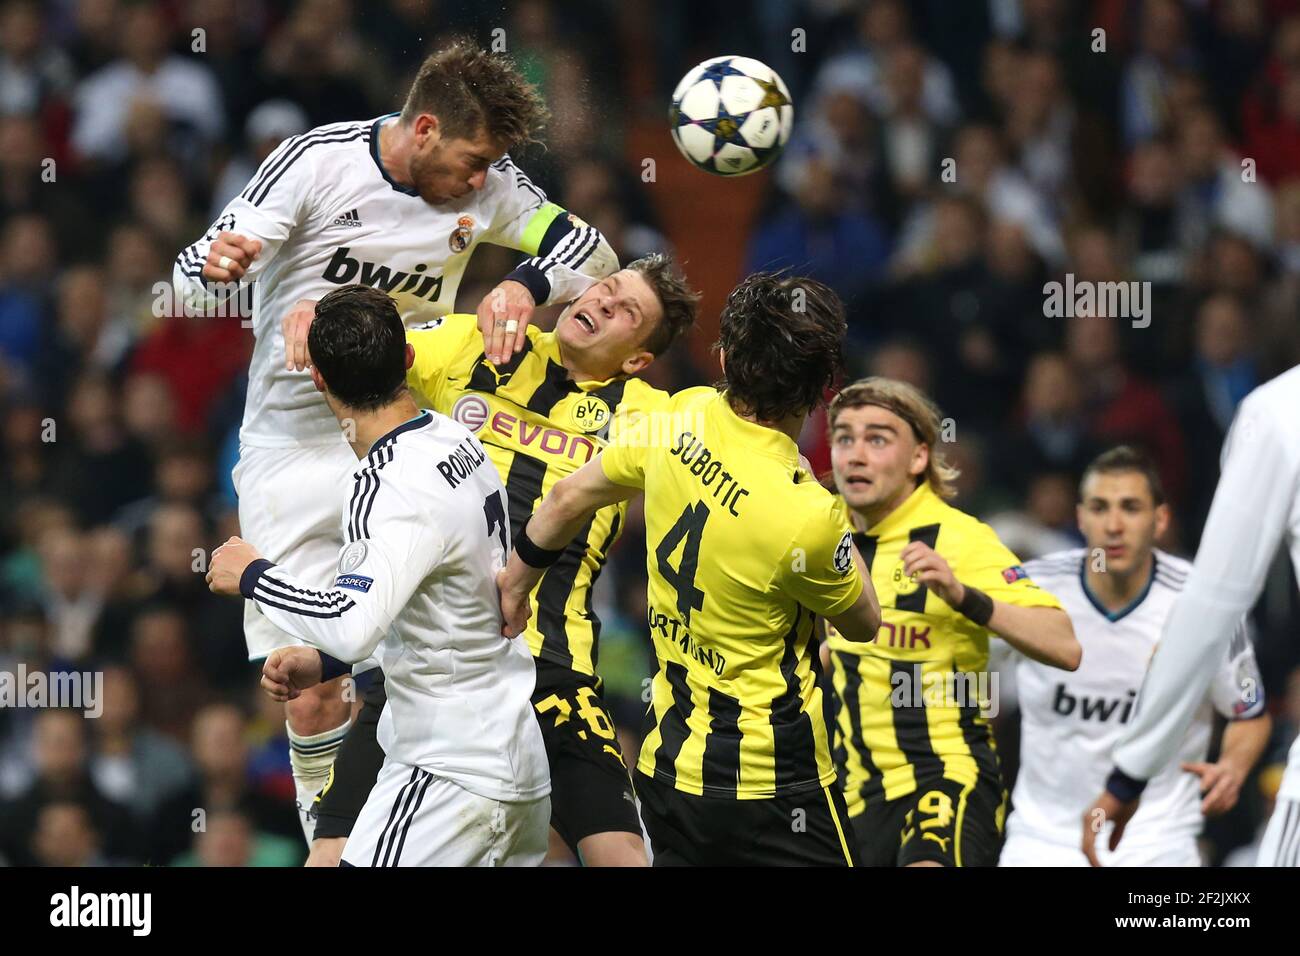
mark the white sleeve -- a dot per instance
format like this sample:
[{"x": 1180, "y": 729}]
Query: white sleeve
[
  {"x": 1250, "y": 512},
  {"x": 1238, "y": 689},
  {"x": 567, "y": 254},
  {"x": 276, "y": 199},
  {"x": 398, "y": 550}
]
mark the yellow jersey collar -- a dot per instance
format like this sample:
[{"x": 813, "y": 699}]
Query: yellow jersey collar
[
  {"x": 904, "y": 516},
  {"x": 759, "y": 438},
  {"x": 547, "y": 346}
]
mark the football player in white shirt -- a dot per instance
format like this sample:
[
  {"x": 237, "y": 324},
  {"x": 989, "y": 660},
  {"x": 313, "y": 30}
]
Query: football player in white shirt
[
  {"x": 1256, "y": 508},
  {"x": 398, "y": 203},
  {"x": 1118, "y": 592},
  {"x": 465, "y": 779}
]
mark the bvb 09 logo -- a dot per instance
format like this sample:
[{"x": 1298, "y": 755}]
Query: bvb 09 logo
[
  {"x": 902, "y": 583},
  {"x": 590, "y": 413}
]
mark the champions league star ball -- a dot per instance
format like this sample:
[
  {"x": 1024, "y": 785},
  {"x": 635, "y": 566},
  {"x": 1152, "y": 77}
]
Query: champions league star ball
[{"x": 731, "y": 115}]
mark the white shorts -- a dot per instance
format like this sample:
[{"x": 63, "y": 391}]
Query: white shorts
[
  {"x": 413, "y": 818},
  {"x": 1281, "y": 843},
  {"x": 291, "y": 510},
  {"x": 1023, "y": 850}
]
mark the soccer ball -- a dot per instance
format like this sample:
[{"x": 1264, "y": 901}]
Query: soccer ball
[{"x": 731, "y": 115}]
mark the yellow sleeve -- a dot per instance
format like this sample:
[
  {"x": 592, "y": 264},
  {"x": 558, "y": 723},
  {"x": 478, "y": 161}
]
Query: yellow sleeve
[
  {"x": 819, "y": 572},
  {"x": 624, "y": 458},
  {"x": 988, "y": 564},
  {"x": 437, "y": 346}
]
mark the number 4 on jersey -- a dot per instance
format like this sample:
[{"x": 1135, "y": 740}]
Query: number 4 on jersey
[{"x": 682, "y": 579}]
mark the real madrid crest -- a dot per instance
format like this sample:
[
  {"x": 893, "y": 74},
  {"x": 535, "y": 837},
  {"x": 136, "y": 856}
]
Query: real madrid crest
[
  {"x": 460, "y": 237},
  {"x": 590, "y": 413}
]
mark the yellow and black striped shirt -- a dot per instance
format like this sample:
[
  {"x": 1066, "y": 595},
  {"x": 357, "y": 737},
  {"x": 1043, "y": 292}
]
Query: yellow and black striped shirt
[
  {"x": 908, "y": 704},
  {"x": 743, "y": 550},
  {"x": 537, "y": 426}
]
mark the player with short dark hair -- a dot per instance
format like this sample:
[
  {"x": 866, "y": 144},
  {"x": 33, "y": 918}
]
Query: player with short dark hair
[
  {"x": 1256, "y": 510},
  {"x": 398, "y": 203},
  {"x": 1118, "y": 591},
  {"x": 464, "y": 779},
  {"x": 745, "y": 551}
]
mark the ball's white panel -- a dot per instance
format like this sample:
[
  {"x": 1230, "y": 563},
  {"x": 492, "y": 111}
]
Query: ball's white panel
[
  {"x": 755, "y": 68},
  {"x": 695, "y": 143},
  {"x": 740, "y": 94},
  {"x": 687, "y": 81},
  {"x": 733, "y": 160},
  {"x": 701, "y": 101},
  {"x": 787, "y": 123},
  {"x": 761, "y": 128}
]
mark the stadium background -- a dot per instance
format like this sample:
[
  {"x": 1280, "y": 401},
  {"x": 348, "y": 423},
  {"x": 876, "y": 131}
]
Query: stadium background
[{"x": 118, "y": 420}]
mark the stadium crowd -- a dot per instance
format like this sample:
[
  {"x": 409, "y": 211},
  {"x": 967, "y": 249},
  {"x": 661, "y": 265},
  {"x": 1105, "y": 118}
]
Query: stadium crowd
[{"x": 948, "y": 160}]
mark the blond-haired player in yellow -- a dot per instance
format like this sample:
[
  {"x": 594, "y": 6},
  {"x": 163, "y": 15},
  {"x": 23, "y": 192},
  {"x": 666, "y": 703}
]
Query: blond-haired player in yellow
[{"x": 913, "y": 745}]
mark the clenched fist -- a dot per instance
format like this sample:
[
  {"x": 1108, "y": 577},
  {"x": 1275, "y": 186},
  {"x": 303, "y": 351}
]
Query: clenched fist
[
  {"x": 228, "y": 564},
  {"x": 230, "y": 257}
]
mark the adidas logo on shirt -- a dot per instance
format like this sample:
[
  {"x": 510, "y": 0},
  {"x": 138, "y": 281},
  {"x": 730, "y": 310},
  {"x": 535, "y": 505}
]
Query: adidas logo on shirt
[{"x": 349, "y": 218}]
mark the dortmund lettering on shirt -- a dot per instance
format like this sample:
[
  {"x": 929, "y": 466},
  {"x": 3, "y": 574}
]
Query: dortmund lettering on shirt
[
  {"x": 537, "y": 426},
  {"x": 744, "y": 550},
  {"x": 908, "y": 703}
]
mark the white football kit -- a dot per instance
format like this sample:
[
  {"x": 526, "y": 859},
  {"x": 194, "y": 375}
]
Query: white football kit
[
  {"x": 1256, "y": 508},
  {"x": 465, "y": 779},
  {"x": 328, "y": 214},
  {"x": 1071, "y": 720}
]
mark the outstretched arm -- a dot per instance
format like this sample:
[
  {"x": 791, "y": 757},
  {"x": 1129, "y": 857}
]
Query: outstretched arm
[{"x": 544, "y": 536}]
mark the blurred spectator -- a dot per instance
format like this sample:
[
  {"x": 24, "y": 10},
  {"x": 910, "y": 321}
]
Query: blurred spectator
[
  {"x": 1150, "y": 221},
  {"x": 172, "y": 690},
  {"x": 1053, "y": 435},
  {"x": 1223, "y": 371},
  {"x": 32, "y": 72},
  {"x": 315, "y": 59},
  {"x": 178, "y": 544},
  {"x": 841, "y": 133},
  {"x": 133, "y": 764},
  {"x": 61, "y": 777},
  {"x": 819, "y": 237},
  {"x": 1039, "y": 125},
  {"x": 28, "y": 260},
  {"x": 29, "y": 174},
  {"x": 1215, "y": 193},
  {"x": 149, "y": 409},
  {"x": 65, "y": 835},
  {"x": 229, "y": 839},
  {"x": 70, "y": 603},
  {"x": 1121, "y": 407},
  {"x": 147, "y": 81},
  {"x": 1162, "y": 48},
  {"x": 883, "y": 29},
  {"x": 221, "y": 753},
  {"x": 99, "y": 467},
  {"x": 135, "y": 262},
  {"x": 170, "y": 351}
]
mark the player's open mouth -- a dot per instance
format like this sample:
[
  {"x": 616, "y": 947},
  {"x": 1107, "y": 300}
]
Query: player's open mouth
[
  {"x": 857, "y": 481},
  {"x": 585, "y": 322}
]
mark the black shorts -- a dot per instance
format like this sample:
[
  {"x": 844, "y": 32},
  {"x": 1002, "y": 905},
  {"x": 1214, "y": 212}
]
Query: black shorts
[
  {"x": 808, "y": 829},
  {"x": 590, "y": 788},
  {"x": 941, "y": 821},
  {"x": 355, "y": 767}
]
